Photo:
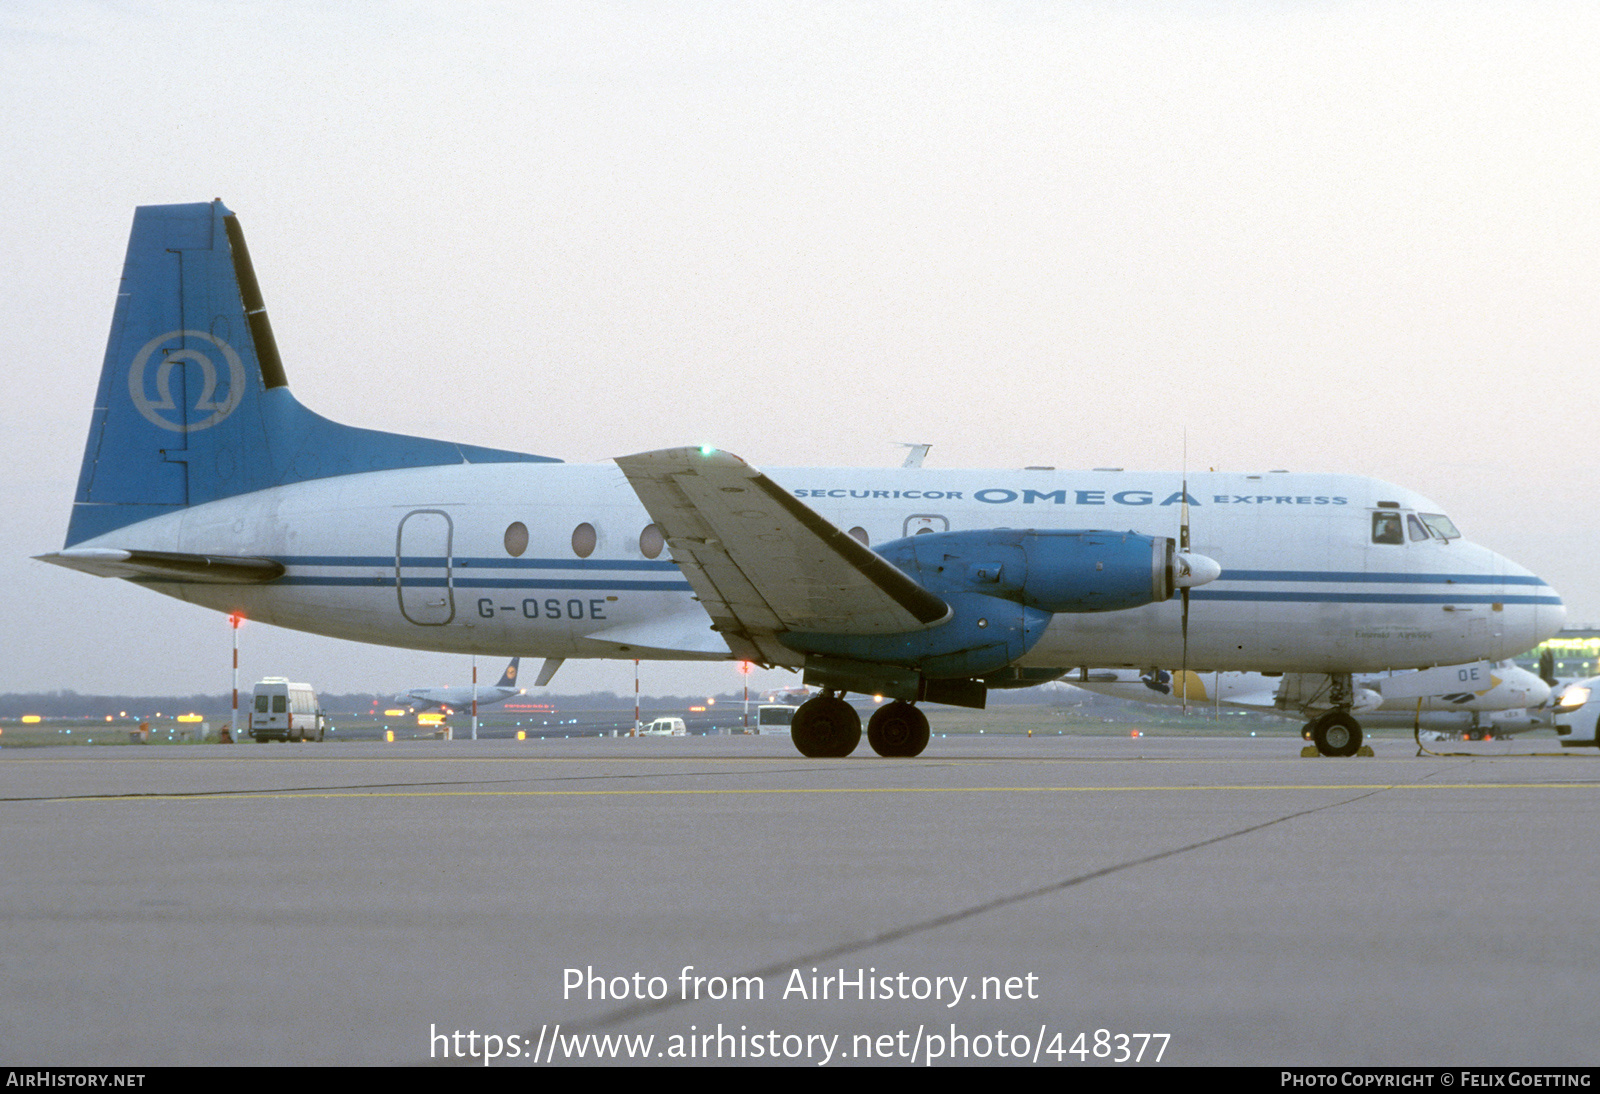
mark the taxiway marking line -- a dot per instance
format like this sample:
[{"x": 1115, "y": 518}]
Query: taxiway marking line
[{"x": 727, "y": 792}]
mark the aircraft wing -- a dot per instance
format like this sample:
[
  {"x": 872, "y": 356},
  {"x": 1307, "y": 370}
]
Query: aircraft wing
[
  {"x": 762, "y": 562},
  {"x": 167, "y": 566}
]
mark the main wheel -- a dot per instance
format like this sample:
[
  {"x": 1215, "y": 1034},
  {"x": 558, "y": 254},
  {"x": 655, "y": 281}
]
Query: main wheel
[
  {"x": 1336, "y": 734},
  {"x": 825, "y": 727},
  {"x": 898, "y": 729}
]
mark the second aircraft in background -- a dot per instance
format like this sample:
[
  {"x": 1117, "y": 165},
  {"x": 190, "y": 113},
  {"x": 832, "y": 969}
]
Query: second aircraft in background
[{"x": 1482, "y": 697}]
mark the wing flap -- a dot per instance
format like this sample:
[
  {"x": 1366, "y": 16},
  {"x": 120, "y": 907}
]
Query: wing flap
[{"x": 762, "y": 562}]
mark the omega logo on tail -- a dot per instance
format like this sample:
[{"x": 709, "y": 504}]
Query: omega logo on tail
[{"x": 152, "y": 409}]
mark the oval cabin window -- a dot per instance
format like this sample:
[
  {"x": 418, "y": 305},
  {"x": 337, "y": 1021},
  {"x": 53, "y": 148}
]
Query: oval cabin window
[
  {"x": 516, "y": 539},
  {"x": 583, "y": 540},
  {"x": 650, "y": 541}
]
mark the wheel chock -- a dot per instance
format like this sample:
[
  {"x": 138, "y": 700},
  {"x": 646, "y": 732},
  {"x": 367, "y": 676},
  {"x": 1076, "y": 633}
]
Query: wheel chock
[{"x": 1309, "y": 752}]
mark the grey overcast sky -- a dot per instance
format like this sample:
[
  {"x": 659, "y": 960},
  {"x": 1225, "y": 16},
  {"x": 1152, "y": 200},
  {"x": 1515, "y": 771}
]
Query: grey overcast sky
[{"x": 1318, "y": 236}]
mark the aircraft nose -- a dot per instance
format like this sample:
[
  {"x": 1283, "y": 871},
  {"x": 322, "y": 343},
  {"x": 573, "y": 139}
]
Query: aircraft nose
[
  {"x": 1531, "y": 610},
  {"x": 1538, "y": 692},
  {"x": 1554, "y": 616}
]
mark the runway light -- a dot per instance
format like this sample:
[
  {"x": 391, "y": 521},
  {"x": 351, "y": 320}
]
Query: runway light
[{"x": 31, "y": 719}]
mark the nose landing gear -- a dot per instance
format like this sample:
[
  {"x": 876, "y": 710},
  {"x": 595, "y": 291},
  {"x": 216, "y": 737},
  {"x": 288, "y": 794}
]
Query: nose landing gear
[{"x": 1336, "y": 733}]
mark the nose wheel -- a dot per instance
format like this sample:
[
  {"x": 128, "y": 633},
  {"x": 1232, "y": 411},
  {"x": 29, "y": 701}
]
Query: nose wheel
[
  {"x": 899, "y": 729},
  {"x": 1336, "y": 733}
]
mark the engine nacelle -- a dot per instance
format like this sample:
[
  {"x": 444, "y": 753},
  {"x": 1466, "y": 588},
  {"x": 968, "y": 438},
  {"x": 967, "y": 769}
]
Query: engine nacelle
[
  {"x": 1053, "y": 571},
  {"x": 982, "y": 635},
  {"x": 1003, "y": 585}
]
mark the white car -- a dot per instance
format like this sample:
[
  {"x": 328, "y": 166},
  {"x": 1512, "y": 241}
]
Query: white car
[
  {"x": 665, "y": 727},
  {"x": 1577, "y": 713}
]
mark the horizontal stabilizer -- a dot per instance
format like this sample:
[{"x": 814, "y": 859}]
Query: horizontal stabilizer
[
  {"x": 763, "y": 563},
  {"x": 167, "y": 566}
]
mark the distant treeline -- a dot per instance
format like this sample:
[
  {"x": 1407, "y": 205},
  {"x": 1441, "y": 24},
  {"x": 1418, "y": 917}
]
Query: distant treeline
[
  {"x": 66, "y": 704},
  {"x": 72, "y": 704}
]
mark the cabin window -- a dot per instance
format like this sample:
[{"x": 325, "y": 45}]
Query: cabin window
[
  {"x": 1386, "y": 528},
  {"x": 280, "y": 704},
  {"x": 651, "y": 541},
  {"x": 859, "y": 534},
  {"x": 1414, "y": 528},
  {"x": 516, "y": 538},
  {"x": 261, "y": 704},
  {"x": 583, "y": 540}
]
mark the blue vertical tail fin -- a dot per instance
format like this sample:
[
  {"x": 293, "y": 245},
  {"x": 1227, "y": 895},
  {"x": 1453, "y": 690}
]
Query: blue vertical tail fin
[{"x": 193, "y": 404}]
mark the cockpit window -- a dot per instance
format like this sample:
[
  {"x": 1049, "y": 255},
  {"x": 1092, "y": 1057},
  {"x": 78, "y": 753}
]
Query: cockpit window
[
  {"x": 1386, "y": 528},
  {"x": 1414, "y": 528},
  {"x": 1441, "y": 526}
]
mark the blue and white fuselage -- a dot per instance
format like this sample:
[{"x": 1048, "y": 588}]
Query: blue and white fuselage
[{"x": 419, "y": 558}]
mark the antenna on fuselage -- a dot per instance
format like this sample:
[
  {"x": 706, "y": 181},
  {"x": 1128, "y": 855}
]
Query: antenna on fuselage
[{"x": 918, "y": 453}]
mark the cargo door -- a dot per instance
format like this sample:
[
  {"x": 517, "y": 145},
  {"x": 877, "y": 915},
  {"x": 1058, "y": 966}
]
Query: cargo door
[{"x": 422, "y": 568}]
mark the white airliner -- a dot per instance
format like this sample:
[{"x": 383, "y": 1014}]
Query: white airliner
[
  {"x": 205, "y": 479},
  {"x": 461, "y": 697},
  {"x": 1497, "y": 697}
]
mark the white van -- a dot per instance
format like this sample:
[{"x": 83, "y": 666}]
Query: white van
[
  {"x": 665, "y": 727},
  {"x": 282, "y": 711}
]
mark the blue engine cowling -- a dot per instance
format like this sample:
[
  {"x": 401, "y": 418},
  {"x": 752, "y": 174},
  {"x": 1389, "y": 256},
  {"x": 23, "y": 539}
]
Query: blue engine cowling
[
  {"x": 1003, "y": 585},
  {"x": 1055, "y": 571}
]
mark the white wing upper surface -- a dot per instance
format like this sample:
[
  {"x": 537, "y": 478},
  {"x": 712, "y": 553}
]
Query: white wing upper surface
[{"x": 762, "y": 562}]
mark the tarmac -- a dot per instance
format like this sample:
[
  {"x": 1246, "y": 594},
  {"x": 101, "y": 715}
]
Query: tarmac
[{"x": 1060, "y": 901}]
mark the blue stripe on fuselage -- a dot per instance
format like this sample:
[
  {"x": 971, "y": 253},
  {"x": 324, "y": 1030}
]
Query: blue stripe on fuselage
[
  {"x": 1358, "y": 576},
  {"x": 602, "y": 569},
  {"x": 1367, "y": 598}
]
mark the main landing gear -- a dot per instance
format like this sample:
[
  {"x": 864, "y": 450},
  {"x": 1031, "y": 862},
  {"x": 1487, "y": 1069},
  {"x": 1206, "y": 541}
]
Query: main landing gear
[
  {"x": 1335, "y": 733},
  {"x": 898, "y": 729},
  {"x": 828, "y": 727}
]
